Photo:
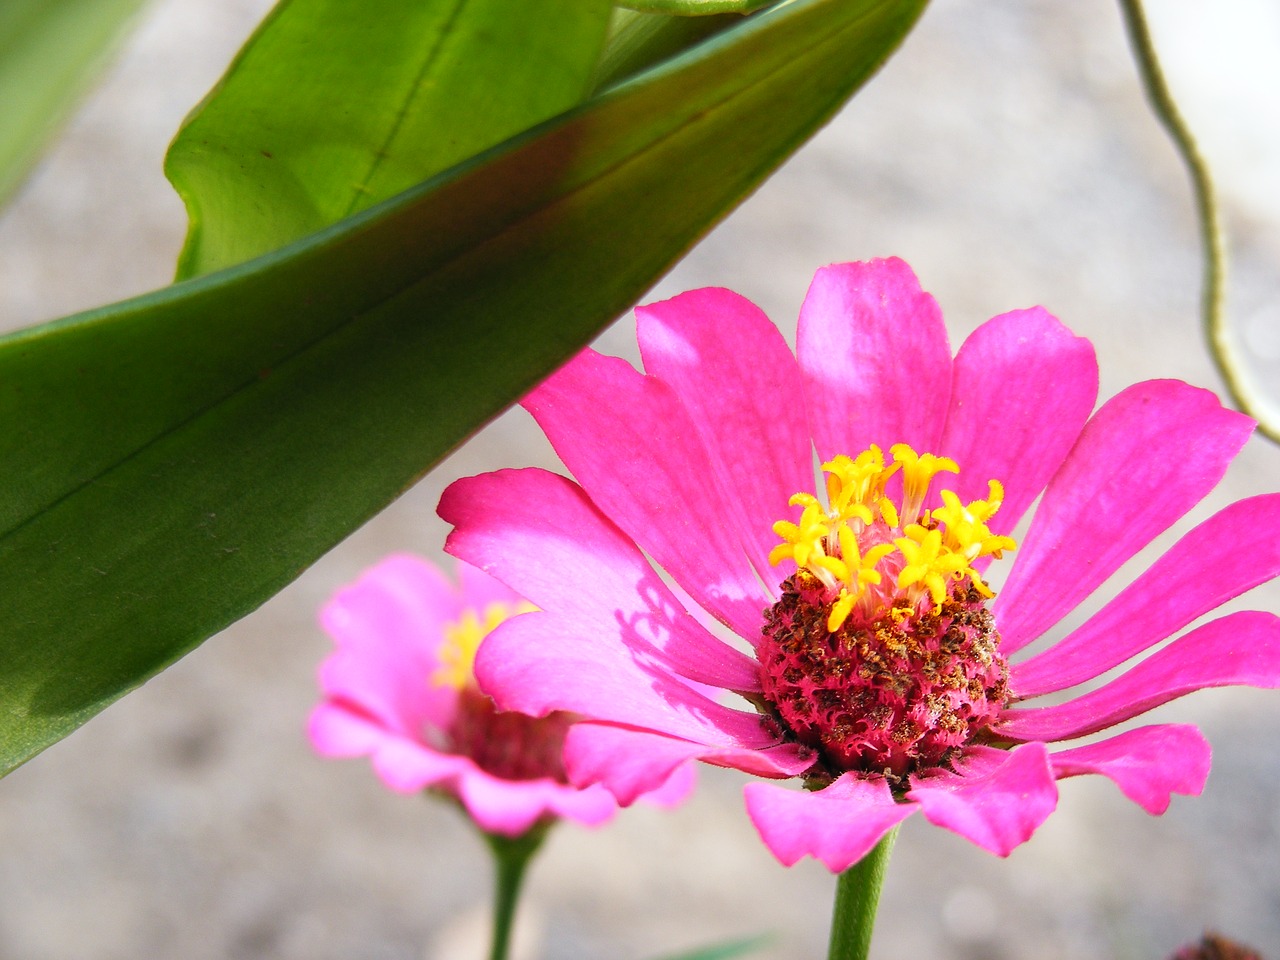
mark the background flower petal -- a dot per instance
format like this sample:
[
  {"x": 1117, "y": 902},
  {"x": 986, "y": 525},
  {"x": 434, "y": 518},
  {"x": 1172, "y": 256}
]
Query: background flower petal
[
  {"x": 995, "y": 799},
  {"x": 510, "y": 807},
  {"x": 875, "y": 358},
  {"x": 636, "y": 452},
  {"x": 388, "y": 626},
  {"x": 1234, "y": 550},
  {"x": 1023, "y": 386},
  {"x": 338, "y": 729},
  {"x": 407, "y": 766},
  {"x": 1147, "y": 457},
  {"x": 631, "y": 763},
  {"x": 1240, "y": 648},
  {"x": 734, "y": 373},
  {"x": 1148, "y": 764},
  {"x": 540, "y": 534},
  {"x": 837, "y": 825}
]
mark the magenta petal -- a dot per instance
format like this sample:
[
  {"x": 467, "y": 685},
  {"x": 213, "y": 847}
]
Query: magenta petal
[
  {"x": 538, "y": 533},
  {"x": 511, "y": 807},
  {"x": 636, "y": 451},
  {"x": 676, "y": 790},
  {"x": 995, "y": 798},
  {"x": 537, "y": 663},
  {"x": 1241, "y": 648},
  {"x": 388, "y": 626},
  {"x": 1023, "y": 387},
  {"x": 732, "y": 370},
  {"x": 340, "y": 730},
  {"x": 407, "y": 767},
  {"x": 632, "y": 763},
  {"x": 481, "y": 590},
  {"x": 875, "y": 357},
  {"x": 837, "y": 825},
  {"x": 1146, "y": 458},
  {"x": 1234, "y": 550},
  {"x": 1148, "y": 764},
  {"x": 629, "y": 763}
]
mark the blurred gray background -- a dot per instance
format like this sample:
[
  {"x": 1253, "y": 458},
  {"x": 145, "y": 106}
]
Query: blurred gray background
[{"x": 1007, "y": 154}]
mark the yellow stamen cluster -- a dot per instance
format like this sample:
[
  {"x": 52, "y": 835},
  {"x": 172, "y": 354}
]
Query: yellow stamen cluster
[
  {"x": 462, "y": 639},
  {"x": 845, "y": 543}
]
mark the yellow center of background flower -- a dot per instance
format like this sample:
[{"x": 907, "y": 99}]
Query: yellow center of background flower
[{"x": 462, "y": 639}]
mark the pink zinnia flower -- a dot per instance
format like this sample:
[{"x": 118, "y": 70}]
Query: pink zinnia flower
[
  {"x": 400, "y": 689},
  {"x": 875, "y": 663}
]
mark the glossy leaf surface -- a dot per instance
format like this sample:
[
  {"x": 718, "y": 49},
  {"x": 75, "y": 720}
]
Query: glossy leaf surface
[{"x": 170, "y": 462}]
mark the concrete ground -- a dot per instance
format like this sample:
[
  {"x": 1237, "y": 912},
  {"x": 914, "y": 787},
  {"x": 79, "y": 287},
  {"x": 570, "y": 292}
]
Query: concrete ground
[{"x": 1007, "y": 154}]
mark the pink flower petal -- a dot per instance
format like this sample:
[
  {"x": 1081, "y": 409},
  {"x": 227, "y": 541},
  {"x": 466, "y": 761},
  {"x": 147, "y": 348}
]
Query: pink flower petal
[
  {"x": 875, "y": 357},
  {"x": 388, "y": 626},
  {"x": 639, "y": 456},
  {"x": 1229, "y": 553},
  {"x": 508, "y": 807},
  {"x": 676, "y": 790},
  {"x": 1146, "y": 458},
  {"x": 632, "y": 762},
  {"x": 1241, "y": 648},
  {"x": 539, "y": 533},
  {"x": 408, "y": 767},
  {"x": 996, "y": 799},
  {"x": 511, "y": 807},
  {"x": 343, "y": 730},
  {"x": 838, "y": 825},
  {"x": 627, "y": 762},
  {"x": 732, "y": 370},
  {"x": 1023, "y": 387},
  {"x": 481, "y": 590},
  {"x": 1148, "y": 764},
  {"x": 537, "y": 663}
]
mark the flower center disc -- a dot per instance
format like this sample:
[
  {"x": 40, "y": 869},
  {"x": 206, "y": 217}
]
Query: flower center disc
[
  {"x": 892, "y": 695},
  {"x": 881, "y": 653}
]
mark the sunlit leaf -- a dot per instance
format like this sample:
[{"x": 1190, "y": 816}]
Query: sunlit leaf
[
  {"x": 694, "y": 8},
  {"x": 333, "y": 106},
  {"x": 50, "y": 53},
  {"x": 170, "y": 462}
]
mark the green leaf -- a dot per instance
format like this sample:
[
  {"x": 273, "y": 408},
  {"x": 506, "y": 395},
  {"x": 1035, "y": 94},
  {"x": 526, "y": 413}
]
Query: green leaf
[
  {"x": 694, "y": 8},
  {"x": 50, "y": 53},
  {"x": 726, "y": 951},
  {"x": 170, "y": 462},
  {"x": 333, "y": 106}
]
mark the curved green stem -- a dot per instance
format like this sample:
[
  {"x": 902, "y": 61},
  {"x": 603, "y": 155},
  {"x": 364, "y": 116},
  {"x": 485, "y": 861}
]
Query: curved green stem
[
  {"x": 857, "y": 895},
  {"x": 511, "y": 857},
  {"x": 1214, "y": 283}
]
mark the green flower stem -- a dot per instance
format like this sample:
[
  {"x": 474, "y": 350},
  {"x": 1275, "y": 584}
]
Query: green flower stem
[
  {"x": 857, "y": 895},
  {"x": 1214, "y": 283},
  {"x": 511, "y": 857}
]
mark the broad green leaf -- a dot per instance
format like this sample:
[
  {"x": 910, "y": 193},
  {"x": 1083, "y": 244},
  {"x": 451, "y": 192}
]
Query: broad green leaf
[
  {"x": 333, "y": 106},
  {"x": 693, "y": 8},
  {"x": 637, "y": 40},
  {"x": 50, "y": 53},
  {"x": 170, "y": 462}
]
